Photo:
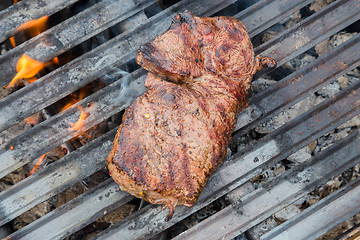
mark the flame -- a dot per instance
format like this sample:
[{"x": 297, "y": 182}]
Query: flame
[
  {"x": 34, "y": 27},
  {"x": 75, "y": 99},
  {"x": 27, "y": 68},
  {"x": 83, "y": 116},
  {"x": 15, "y": 1},
  {"x": 37, "y": 165},
  {"x": 80, "y": 123}
]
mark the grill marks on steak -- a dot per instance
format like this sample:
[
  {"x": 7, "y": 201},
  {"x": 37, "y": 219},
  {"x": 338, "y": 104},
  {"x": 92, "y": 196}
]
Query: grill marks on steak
[
  {"x": 167, "y": 132},
  {"x": 175, "y": 135}
]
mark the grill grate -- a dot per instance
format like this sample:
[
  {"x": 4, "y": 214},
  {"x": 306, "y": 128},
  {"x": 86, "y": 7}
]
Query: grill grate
[
  {"x": 280, "y": 193},
  {"x": 232, "y": 178}
]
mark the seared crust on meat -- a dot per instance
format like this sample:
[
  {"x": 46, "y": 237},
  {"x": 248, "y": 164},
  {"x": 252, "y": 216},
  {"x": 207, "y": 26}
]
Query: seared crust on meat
[{"x": 176, "y": 134}]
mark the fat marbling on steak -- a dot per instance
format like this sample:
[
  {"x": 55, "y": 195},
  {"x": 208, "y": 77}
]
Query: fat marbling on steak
[{"x": 176, "y": 134}]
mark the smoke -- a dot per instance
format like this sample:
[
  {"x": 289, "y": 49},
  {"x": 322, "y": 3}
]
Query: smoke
[
  {"x": 127, "y": 88},
  {"x": 114, "y": 75}
]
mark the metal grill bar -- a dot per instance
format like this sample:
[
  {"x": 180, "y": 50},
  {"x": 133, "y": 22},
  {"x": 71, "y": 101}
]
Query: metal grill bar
[
  {"x": 274, "y": 11},
  {"x": 241, "y": 168},
  {"x": 71, "y": 32},
  {"x": 323, "y": 215},
  {"x": 262, "y": 203},
  {"x": 25, "y": 11}
]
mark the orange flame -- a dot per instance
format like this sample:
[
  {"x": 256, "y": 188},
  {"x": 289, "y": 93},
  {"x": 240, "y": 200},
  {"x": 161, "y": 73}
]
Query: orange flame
[
  {"x": 83, "y": 116},
  {"x": 81, "y": 121},
  {"x": 75, "y": 99},
  {"x": 15, "y": 1},
  {"x": 27, "y": 68},
  {"x": 37, "y": 165},
  {"x": 34, "y": 27}
]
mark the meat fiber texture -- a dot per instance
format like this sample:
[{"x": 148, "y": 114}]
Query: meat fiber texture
[{"x": 176, "y": 134}]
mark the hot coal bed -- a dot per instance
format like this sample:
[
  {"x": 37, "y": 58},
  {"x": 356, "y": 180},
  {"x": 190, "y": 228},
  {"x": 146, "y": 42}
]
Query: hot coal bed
[{"x": 67, "y": 72}]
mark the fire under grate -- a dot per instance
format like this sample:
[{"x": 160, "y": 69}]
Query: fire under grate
[{"x": 133, "y": 23}]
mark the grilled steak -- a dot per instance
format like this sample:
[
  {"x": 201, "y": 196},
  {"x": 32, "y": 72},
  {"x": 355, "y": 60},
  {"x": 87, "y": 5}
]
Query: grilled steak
[{"x": 175, "y": 135}]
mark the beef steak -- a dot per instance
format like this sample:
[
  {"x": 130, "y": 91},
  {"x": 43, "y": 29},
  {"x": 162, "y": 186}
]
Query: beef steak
[{"x": 175, "y": 135}]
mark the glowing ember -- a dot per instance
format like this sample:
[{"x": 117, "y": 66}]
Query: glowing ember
[
  {"x": 27, "y": 68},
  {"x": 37, "y": 165},
  {"x": 12, "y": 41},
  {"x": 55, "y": 60}
]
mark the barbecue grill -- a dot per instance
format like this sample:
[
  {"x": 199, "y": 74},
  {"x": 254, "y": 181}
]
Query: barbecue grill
[{"x": 133, "y": 23}]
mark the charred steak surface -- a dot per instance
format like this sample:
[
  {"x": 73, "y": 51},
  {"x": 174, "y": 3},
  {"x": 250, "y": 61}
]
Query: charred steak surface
[{"x": 175, "y": 135}]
